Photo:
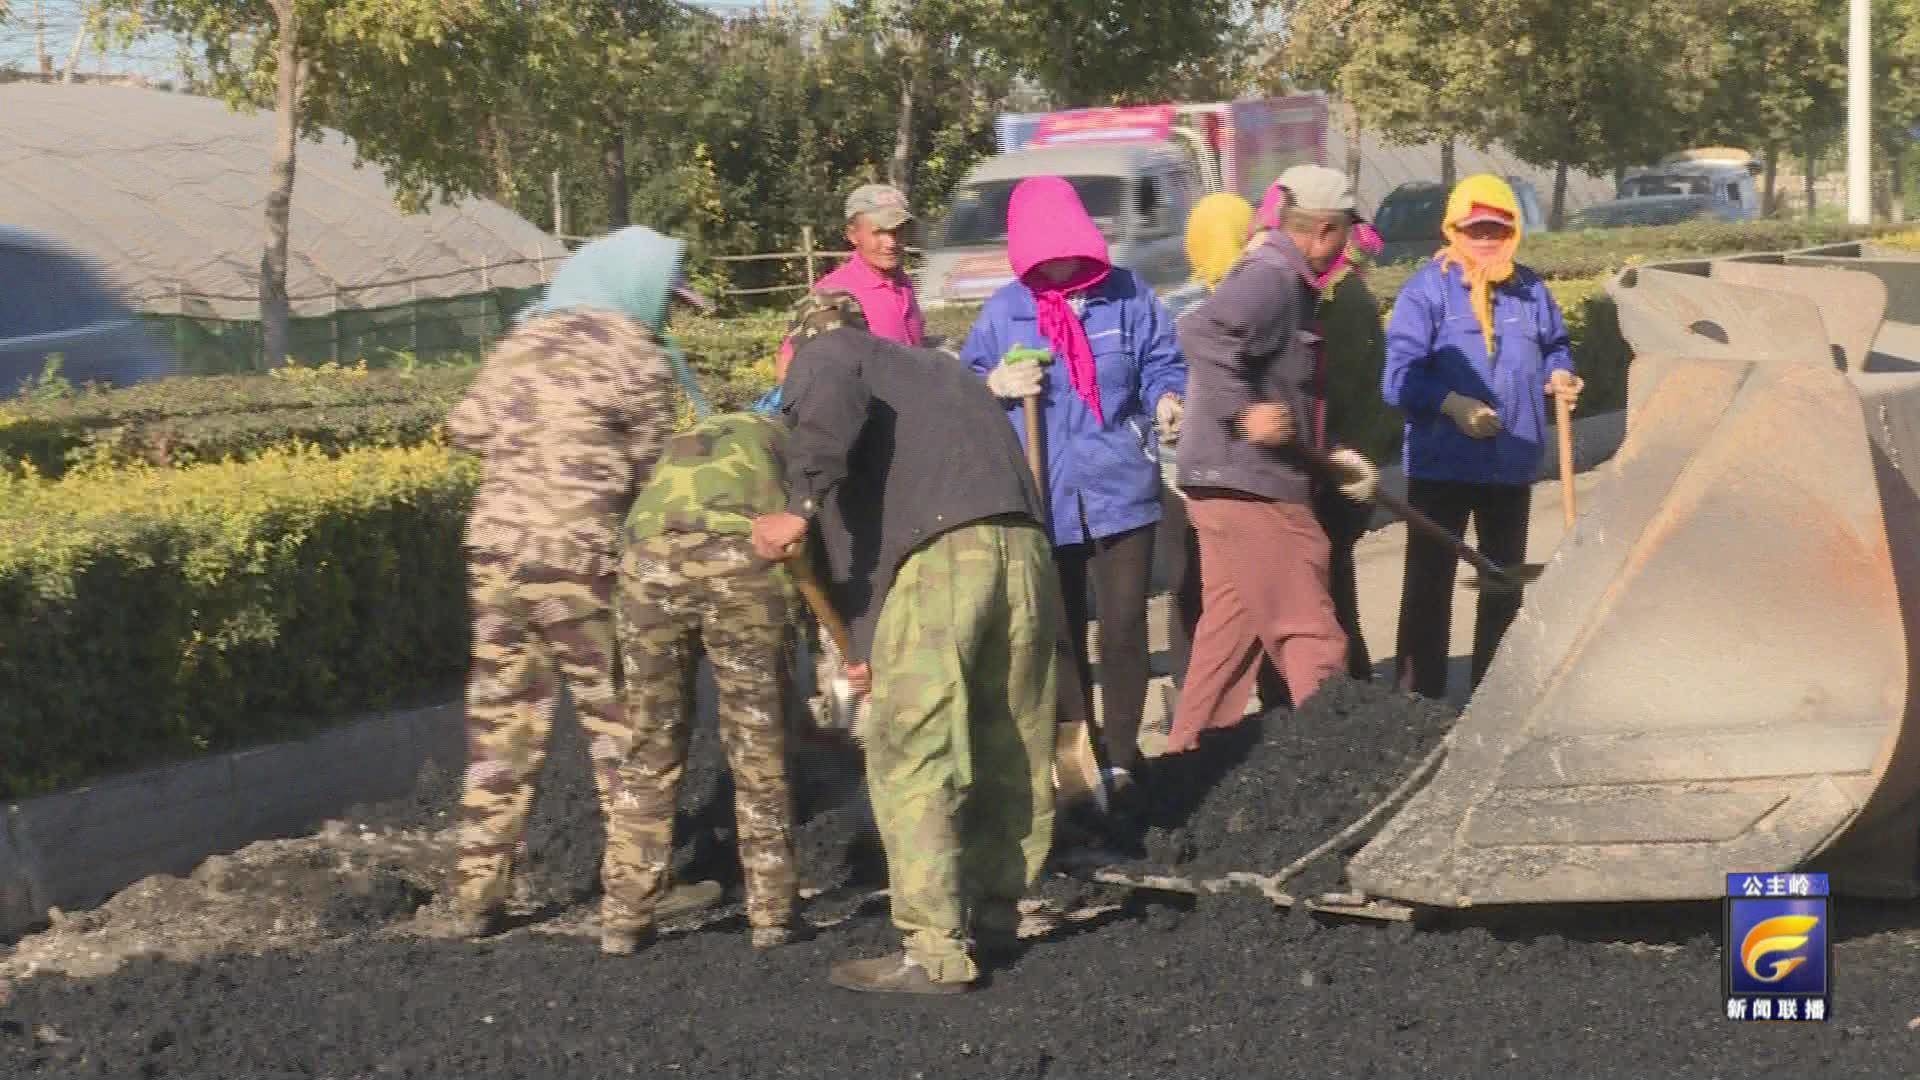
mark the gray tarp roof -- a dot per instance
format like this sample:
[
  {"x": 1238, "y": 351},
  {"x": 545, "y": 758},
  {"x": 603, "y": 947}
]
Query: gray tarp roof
[{"x": 168, "y": 192}]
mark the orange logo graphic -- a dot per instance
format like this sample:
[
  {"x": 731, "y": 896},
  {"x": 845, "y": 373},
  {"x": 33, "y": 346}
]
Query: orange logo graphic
[{"x": 1780, "y": 934}]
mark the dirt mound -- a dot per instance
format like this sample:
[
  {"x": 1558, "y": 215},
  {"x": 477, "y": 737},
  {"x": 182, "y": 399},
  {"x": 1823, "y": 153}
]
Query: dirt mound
[{"x": 1259, "y": 795}]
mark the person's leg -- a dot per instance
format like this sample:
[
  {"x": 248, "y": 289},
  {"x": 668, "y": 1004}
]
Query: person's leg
[
  {"x": 1119, "y": 571},
  {"x": 1281, "y": 573},
  {"x": 1500, "y": 521},
  {"x": 1426, "y": 590},
  {"x": 1220, "y": 669},
  {"x": 511, "y": 695},
  {"x": 919, "y": 756},
  {"x": 745, "y": 631},
  {"x": 1345, "y": 523},
  {"x": 1007, "y": 823},
  {"x": 1073, "y": 564}
]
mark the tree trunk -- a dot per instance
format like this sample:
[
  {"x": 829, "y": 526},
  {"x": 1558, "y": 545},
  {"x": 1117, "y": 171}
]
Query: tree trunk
[
  {"x": 83, "y": 20},
  {"x": 1770, "y": 182},
  {"x": 619, "y": 202},
  {"x": 900, "y": 166},
  {"x": 1897, "y": 186},
  {"x": 1354, "y": 135},
  {"x": 1558, "y": 220},
  {"x": 1812, "y": 162},
  {"x": 274, "y": 308},
  {"x": 1449, "y": 168},
  {"x": 45, "y": 62},
  {"x": 559, "y": 204}
]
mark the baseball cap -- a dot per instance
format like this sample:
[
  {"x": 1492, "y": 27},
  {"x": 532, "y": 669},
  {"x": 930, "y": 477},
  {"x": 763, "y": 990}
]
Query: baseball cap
[
  {"x": 1318, "y": 189},
  {"x": 884, "y": 203},
  {"x": 823, "y": 312},
  {"x": 1479, "y": 212}
]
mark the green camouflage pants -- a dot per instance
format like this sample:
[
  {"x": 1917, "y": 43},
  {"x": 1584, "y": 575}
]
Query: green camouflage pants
[
  {"x": 677, "y": 589},
  {"x": 960, "y": 736},
  {"x": 533, "y": 626}
]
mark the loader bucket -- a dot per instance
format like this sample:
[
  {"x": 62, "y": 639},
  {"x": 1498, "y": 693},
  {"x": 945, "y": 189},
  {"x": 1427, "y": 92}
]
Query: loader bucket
[{"x": 1713, "y": 675}]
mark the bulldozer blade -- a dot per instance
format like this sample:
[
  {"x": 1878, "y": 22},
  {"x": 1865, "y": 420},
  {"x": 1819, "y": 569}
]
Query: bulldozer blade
[{"x": 1714, "y": 675}]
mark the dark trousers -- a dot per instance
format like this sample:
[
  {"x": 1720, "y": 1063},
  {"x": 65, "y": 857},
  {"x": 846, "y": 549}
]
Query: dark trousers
[
  {"x": 1499, "y": 515},
  {"x": 1110, "y": 574}
]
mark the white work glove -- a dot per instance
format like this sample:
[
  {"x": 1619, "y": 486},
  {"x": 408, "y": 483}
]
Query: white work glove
[
  {"x": 1167, "y": 416},
  {"x": 1474, "y": 417},
  {"x": 1357, "y": 477},
  {"x": 1566, "y": 384},
  {"x": 1015, "y": 381}
]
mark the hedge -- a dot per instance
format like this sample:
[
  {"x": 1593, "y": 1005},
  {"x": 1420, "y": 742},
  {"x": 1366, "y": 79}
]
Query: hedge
[{"x": 148, "y": 613}]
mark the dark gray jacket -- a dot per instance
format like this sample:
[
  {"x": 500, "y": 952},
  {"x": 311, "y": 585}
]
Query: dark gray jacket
[
  {"x": 891, "y": 447},
  {"x": 1247, "y": 344}
]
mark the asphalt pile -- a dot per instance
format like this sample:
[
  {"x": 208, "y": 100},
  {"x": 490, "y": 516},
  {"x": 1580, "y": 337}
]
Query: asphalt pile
[{"x": 1257, "y": 796}]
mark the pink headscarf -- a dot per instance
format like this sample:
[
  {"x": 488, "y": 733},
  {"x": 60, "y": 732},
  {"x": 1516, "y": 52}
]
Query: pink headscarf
[{"x": 1046, "y": 220}]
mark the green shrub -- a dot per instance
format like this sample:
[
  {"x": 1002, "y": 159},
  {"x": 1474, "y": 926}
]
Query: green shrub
[{"x": 150, "y": 614}]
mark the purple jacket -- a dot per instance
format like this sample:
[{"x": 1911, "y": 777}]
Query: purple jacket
[{"x": 1247, "y": 344}]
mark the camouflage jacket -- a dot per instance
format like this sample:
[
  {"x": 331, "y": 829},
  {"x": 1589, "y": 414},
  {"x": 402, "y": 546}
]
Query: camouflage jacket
[
  {"x": 715, "y": 477},
  {"x": 567, "y": 416}
]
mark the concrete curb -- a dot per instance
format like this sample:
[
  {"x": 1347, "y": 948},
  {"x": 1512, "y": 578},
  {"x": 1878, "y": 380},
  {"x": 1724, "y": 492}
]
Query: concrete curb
[{"x": 73, "y": 849}]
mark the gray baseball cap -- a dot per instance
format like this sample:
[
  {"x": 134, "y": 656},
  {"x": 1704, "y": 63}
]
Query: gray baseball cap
[
  {"x": 1318, "y": 189},
  {"x": 883, "y": 203}
]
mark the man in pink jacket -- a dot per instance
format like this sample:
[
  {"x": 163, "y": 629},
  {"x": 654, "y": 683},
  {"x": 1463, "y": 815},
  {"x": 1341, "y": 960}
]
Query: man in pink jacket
[{"x": 876, "y": 276}]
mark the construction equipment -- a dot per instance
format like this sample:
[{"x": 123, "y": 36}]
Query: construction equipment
[{"x": 1714, "y": 674}]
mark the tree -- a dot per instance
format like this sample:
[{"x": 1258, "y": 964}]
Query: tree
[
  {"x": 1776, "y": 75},
  {"x": 305, "y": 58},
  {"x": 1095, "y": 52}
]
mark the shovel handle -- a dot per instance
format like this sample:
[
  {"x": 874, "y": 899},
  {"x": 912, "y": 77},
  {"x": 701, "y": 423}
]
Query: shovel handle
[
  {"x": 1316, "y": 459},
  {"x": 1563, "y": 416},
  {"x": 816, "y": 597},
  {"x": 1035, "y": 463}
]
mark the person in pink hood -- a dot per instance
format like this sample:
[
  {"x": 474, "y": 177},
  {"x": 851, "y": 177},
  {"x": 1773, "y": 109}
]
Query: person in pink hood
[{"x": 1114, "y": 387}]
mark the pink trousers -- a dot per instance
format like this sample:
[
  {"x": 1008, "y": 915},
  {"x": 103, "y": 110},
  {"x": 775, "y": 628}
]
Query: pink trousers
[{"x": 1263, "y": 582}]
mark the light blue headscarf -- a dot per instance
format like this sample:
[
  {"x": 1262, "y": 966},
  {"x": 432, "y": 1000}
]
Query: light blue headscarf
[{"x": 630, "y": 272}]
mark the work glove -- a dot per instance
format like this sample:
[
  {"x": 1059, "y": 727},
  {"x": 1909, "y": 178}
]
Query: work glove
[
  {"x": 1167, "y": 416},
  {"x": 1566, "y": 384},
  {"x": 1356, "y": 476},
  {"x": 1474, "y": 417},
  {"x": 1016, "y": 379}
]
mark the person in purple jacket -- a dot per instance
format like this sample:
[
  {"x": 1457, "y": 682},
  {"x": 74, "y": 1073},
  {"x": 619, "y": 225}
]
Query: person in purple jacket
[
  {"x": 1474, "y": 346},
  {"x": 1116, "y": 384}
]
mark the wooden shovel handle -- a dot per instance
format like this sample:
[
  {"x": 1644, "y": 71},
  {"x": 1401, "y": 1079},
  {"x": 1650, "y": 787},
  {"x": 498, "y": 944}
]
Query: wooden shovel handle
[
  {"x": 816, "y": 597},
  {"x": 1563, "y": 416}
]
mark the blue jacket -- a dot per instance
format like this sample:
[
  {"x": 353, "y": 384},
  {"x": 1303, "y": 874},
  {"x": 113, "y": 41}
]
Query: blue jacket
[
  {"x": 1109, "y": 472},
  {"x": 1435, "y": 346}
]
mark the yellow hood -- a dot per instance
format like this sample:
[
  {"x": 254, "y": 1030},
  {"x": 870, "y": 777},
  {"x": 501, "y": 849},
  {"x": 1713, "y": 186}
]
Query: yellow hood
[
  {"x": 1481, "y": 190},
  {"x": 1216, "y": 234}
]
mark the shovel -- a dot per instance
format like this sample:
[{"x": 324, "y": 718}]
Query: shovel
[
  {"x": 1563, "y": 415},
  {"x": 1077, "y": 772},
  {"x": 845, "y": 709},
  {"x": 1493, "y": 576}
]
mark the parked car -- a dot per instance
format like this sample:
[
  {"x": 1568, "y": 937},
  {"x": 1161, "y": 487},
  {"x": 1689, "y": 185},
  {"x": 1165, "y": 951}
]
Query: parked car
[
  {"x": 55, "y": 301},
  {"x": 1710, "y": 184},
  {"x": 1409, "y": 217}
]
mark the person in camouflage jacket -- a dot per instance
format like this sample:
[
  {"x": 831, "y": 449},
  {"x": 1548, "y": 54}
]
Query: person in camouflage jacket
[
  {"x": 567, "y": 416},
  {"x": 689, "y": 580}
]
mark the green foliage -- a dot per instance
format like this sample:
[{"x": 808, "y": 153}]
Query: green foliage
[
  {"x": 217, "y": 418},
  {"x": 49, "y": 384},
  {"x": 153, "y": 614}
]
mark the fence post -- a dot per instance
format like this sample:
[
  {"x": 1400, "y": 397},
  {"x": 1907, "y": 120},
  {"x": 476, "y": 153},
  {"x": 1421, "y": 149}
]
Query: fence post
[
  {"x": 333, "y": 328},
  {"x": 180, "y": 330},
  {"x": 486, "y": 311},
  {"x": 806, "y": 248},
  {"x": 413, "y": 318}
]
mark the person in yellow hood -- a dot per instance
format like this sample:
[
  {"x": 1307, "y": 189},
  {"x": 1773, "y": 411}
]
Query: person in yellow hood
[{"x": 1475, "y": 345}]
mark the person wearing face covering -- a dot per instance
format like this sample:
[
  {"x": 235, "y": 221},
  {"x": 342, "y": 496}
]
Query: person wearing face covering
[
  {"x": 1115, "y": 387},
  {"x": 1475, "y": 346}
]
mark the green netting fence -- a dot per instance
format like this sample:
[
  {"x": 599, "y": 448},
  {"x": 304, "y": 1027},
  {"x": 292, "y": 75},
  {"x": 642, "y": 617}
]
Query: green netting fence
[{"x": 425, "y": 330}]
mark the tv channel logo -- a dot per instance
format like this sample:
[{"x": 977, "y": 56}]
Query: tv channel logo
[{"x": 1779, "y": 947}]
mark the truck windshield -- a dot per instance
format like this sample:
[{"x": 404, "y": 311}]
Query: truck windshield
[
  {"x": 1641, "y": 187},
  {"x": 980, "y": 210}
]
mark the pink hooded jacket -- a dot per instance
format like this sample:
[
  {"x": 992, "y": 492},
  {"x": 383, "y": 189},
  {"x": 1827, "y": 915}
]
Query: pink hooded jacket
[{"x": 1046, "y": 220}]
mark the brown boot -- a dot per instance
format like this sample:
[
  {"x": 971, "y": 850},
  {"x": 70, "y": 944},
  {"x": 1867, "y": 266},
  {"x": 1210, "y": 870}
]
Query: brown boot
[
  {"x": 684, "y": 900},
  {"x": 896, "y": 974}
]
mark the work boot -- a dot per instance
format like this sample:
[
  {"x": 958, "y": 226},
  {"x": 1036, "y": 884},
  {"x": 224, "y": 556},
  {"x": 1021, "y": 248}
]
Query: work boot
[
  {"x": 764, "y": 938},
  {"x": 626, "y": 942},
  {"x": 689, "y": 899},
  {"x": 997, "y": 946},
  {"x": 896, "y": 974},
  {"x": 471, "y": 924}
]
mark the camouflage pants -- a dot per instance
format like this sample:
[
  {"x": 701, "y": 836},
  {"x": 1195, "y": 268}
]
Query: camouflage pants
[
  {"x": 533, "y": 626},
  {"x": 960, "y": 736},
  {"x": 676, "y": 589}
]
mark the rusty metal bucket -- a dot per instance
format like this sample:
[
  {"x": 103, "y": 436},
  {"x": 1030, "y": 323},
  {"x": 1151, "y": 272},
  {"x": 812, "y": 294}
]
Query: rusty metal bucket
[{"x": 1714, "y": 674}]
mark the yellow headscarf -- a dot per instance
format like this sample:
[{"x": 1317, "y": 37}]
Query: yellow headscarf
[
  {"x": 1489, "y": 191},
  {"x": 1216, "y": 234}
]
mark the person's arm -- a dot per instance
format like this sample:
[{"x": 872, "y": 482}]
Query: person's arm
[
  {"x": 826, "y": 407},
  {"x": 983, "y": 349},
  {"x": 1163, "y": 370},
  {"x": 1247, "y": 317},
  {"x": 1408, "y": 382}
]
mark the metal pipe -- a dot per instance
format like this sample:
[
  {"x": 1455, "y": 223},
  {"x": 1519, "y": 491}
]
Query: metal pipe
[{"x": 1859, "y": 114}]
